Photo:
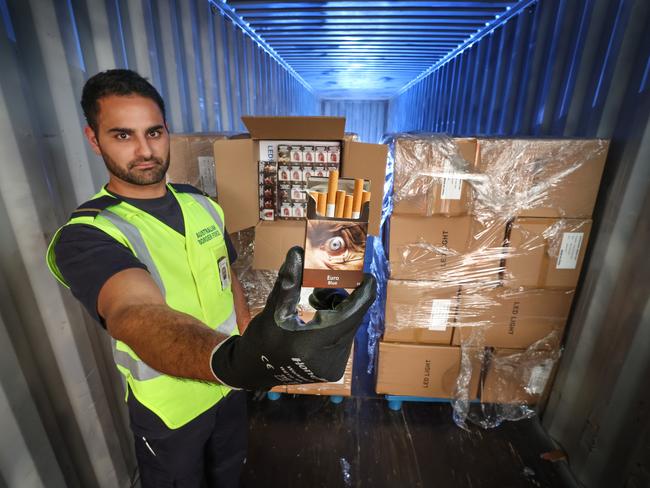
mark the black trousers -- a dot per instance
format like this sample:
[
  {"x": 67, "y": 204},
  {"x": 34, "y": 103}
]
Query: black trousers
[{"x": 210, "y": 451}]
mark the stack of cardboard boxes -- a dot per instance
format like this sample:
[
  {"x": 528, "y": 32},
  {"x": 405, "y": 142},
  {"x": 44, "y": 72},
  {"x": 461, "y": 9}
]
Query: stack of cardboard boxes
[
  {"x": 431, "y": 255},
  {"x": 487, "y": 240}
]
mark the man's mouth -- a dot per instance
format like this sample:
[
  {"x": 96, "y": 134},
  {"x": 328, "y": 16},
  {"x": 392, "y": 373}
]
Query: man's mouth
[{"x": 146, "y": 165}]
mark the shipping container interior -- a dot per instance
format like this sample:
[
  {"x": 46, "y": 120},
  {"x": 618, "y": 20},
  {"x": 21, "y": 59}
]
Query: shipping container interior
[{"x": 526, "y": 68}]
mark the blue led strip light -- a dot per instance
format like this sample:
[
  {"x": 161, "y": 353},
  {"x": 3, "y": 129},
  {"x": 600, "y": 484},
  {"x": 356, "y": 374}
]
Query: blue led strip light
[
  {"x": 500, "y": 20},
  {"x": 229, "y": 12},
  {"x": 6, "y": 18}
]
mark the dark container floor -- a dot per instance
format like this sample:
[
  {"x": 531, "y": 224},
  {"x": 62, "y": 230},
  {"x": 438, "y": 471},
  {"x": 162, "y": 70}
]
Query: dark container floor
[{"x": 306, "y": 441}]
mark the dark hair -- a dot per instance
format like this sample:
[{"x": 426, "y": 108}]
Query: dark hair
[{"x": 115, "y": 82}]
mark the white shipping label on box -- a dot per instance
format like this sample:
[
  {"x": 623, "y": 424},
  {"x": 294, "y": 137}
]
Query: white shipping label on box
[
  {"x": 439, "y": 314},
  {"x": 208, "y": 179},
  {"x": 451, "y": 187},
  {"x": 569, "y": 250}
]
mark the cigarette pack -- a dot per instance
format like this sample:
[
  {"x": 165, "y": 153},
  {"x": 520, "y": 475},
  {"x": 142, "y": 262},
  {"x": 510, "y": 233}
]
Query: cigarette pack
[{"x": 334, "y": 246}]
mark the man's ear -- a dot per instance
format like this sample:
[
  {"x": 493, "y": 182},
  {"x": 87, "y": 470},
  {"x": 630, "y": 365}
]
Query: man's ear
[{"x": 92, "y": 140}]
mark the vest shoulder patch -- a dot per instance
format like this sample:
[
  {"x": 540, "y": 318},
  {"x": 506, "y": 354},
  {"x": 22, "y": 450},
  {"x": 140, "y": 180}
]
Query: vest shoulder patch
[
  {"x": 93, "y": 207},
  {"x": 185, "y": 188}
]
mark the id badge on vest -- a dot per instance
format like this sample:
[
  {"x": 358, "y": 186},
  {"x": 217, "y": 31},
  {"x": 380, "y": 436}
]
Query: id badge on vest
[{"x": 224, "y": 273}]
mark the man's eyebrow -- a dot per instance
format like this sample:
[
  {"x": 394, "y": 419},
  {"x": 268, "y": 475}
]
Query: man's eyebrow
[
  {"x": 121, "y": 129},
  {"x": 131, "y": 131}
]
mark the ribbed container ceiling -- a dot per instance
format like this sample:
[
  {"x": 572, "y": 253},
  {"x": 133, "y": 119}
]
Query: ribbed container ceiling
[{"x": 367, "y": 49}]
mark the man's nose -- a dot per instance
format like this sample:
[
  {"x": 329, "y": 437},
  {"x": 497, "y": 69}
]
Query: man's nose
[{"x": 143, "y": 149}]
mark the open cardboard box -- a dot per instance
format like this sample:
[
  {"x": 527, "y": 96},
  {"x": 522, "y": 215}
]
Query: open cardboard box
[{"x": 237, "y": 175}]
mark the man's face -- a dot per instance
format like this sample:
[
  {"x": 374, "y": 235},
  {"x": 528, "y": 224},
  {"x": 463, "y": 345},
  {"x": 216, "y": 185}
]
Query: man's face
[{"x": 132, "y": 139}]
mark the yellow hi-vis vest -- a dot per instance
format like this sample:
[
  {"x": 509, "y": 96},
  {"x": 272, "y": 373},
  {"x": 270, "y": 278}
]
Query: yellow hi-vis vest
[{"x": 187, "y": 271}]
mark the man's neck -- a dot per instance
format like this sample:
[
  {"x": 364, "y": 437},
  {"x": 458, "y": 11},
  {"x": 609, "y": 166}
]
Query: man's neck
[{"x": 130, "y": 190}]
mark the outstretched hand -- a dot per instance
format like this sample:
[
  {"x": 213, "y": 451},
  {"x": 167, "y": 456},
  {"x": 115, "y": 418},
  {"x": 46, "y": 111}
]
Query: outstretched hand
[{"x": 279, "y": 348}]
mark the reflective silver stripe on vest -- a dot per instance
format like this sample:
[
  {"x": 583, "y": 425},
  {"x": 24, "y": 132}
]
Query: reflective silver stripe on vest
[
  {"x": 228, "y": 326},
  {"x": 140, "y": 370},
  {"x": 134, "y": 236},
  {"x": 207, "y": 205}
]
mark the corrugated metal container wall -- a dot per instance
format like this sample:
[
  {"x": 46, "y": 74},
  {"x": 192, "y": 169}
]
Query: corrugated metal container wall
[
  {"x": 367, "y": 118},
  {"x": 574, "y": 69},
  {"x": 61, "y": 408}
]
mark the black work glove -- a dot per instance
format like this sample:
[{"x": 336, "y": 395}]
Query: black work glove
[{"x": 279, "y": 348}]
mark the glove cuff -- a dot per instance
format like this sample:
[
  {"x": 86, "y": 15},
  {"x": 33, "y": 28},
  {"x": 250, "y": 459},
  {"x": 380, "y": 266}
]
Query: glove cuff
[{"x": 216, "y": 348}]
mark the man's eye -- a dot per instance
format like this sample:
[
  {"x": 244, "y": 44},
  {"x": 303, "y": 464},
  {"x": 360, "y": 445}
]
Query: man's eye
[
  {"x": 335, "y": 245},
  {"x": 122, "y": 136},
  {"x": 154, "y": 133}
]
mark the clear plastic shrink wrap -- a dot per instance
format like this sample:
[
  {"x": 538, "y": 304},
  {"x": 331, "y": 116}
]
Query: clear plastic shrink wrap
[
  {"x": 556, "y": 178},
  {"x": 512, "y": 382},
  {"x": 477, "y": 315},
  {"x": 257, "y": 283},
  {"x": 430, "y": 172},
  {"x": 488, "y": 251}
]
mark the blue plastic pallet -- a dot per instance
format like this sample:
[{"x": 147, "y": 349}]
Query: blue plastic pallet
[
  {"x": 395, "y": 401},
  {"x": 274, "y": 395}
]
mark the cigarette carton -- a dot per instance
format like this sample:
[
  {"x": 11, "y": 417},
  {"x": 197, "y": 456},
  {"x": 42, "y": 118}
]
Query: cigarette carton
[{"x": 335, "y": 247}]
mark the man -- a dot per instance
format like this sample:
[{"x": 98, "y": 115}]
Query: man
[{"x": 151, "y": 263}]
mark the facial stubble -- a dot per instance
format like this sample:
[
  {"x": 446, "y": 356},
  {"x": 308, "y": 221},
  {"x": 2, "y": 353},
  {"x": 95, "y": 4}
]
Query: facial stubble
[{"x": 135, "y": 176}]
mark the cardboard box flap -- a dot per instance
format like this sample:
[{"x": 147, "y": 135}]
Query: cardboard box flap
[
  {"x": 296, "y": 128},
  {"x": 368, "y": 161},
  {"x": 236, "y": 175}
]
